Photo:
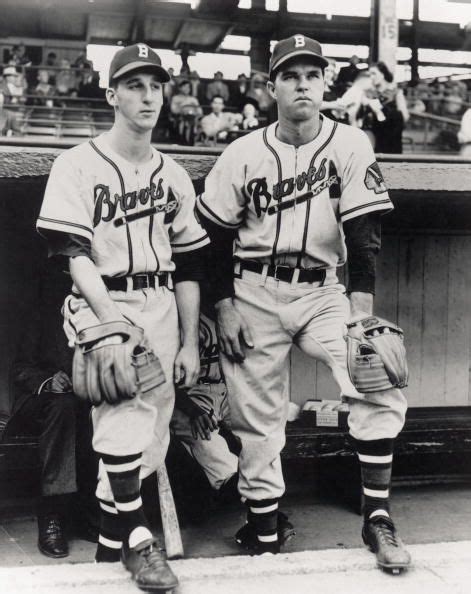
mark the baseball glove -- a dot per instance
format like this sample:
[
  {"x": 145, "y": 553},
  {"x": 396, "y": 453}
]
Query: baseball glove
[
  {"x": 376, "y": 356},
  {"x": 113, "y": 362}
]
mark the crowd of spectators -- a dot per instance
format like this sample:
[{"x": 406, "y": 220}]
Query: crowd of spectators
[
  {"x": 49, "y": 83},
  {"x": 205, "y": 111}
]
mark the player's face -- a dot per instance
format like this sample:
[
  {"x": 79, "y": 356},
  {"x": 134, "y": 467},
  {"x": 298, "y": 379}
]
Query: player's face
[
  {"x": 298, "y": 89},
  {"x": 138, "y": 99}
]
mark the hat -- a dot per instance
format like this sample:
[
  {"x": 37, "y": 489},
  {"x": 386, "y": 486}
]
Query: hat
[
  {"x": 296, "y": 45},
  {"x": 136, "y": 56},
  {"x": 9, "y": 70}
]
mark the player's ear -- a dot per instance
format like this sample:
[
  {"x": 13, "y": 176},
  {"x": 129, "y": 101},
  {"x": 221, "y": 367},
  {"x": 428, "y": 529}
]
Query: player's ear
[
  {"x": 111, "y": 96},
  {"x": 271, "y": 88}
]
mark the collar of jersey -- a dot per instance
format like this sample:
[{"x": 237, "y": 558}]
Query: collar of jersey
[
  {"x": 104, "y": 146},
  {"x": 309, "y": 146}
]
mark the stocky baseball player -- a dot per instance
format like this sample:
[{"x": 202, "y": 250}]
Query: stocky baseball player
[
  {"x": 296, "y": 196},
  {"x": 119, "y": 210},
  {"x": 201, "y": 421}
]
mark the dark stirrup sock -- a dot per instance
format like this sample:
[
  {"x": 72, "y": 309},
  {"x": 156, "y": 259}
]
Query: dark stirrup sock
[
  {"x": 263, "y": 515},
  {"x": 110, "y": 538},
  {"x": 123, "y": 474},
  {"x": 376, "y": 459}
]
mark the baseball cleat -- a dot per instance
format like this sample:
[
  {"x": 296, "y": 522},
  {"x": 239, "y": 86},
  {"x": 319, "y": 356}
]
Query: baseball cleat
[
  {"x": 149, "y": 567},
  {"x": 379, "y": 534}
]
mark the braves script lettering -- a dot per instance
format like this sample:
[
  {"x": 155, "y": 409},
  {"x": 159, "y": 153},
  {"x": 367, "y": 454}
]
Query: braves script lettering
[
  {"x": 257, "y": 188},
  {"x": 106, "y": 205}
]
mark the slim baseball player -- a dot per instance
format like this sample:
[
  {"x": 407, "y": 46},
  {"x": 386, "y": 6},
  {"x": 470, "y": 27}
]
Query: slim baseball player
[
  {"x": 122, "y": 214},
  {"x": 282, "y": 206}
]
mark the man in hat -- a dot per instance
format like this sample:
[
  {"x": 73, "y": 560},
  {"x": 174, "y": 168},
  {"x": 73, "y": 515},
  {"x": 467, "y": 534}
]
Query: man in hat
[
  {"x": 122, "y": 214},
  {"x": 282, "y": 206}
]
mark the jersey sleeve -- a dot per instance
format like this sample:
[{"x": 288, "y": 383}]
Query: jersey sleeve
[
  {"x": 223, "y": 201},
  {"x": 363, "y": 187},
  {"x": 186, "y": 233},
  {"x": 67, "y": 206}
]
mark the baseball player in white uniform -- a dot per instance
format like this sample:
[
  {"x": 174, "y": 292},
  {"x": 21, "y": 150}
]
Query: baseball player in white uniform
[
  {"x": 282, "y": 206},
  {"x": 122, "y": 213}
]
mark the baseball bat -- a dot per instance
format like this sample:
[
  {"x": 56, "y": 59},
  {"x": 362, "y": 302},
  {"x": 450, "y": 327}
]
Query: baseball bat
[{"x": 168, "y": 512}]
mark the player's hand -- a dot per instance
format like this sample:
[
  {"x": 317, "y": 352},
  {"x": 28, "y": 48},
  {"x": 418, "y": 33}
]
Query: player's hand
[
  {"x": 186, "y": 367},
  {"x": 202, "y": 425},
  {"x": 60, "y": 383},
  {"x": 232, "y": 330}
]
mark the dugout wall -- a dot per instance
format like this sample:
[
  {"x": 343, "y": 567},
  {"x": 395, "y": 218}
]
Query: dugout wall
[{"x": 424, "y": 272}]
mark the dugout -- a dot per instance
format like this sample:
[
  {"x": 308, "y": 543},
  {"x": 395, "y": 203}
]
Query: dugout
[{"x": 424, "y": 285}]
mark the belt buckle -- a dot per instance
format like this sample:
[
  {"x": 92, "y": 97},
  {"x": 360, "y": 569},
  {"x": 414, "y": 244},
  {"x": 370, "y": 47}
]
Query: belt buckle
[
  {"x": 281, "y": 267},
  {"x": 146, "y": 284}
]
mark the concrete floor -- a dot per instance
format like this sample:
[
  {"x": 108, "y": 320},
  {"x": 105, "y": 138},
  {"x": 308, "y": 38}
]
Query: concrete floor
[{"x": 423, "y": 514}]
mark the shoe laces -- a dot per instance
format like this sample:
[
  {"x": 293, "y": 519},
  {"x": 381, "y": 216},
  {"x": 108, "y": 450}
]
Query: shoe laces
[
  {"x": 154, "y": 557},
  {"x": 53, "y": 526},
  {"x": 386, "y": 531}
]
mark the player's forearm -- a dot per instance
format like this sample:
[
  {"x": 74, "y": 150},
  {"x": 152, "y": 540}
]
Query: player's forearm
[
  {"x": 361, "y": 304},
  {"x": 90, "y": 285},
  {"x": 187, "y": 296}
]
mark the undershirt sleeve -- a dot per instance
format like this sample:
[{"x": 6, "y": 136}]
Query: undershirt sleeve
[
  {"x": 363, "y": 240},
  {"x": 219, "y": 263},
  {"x": 67, "y": 244}
]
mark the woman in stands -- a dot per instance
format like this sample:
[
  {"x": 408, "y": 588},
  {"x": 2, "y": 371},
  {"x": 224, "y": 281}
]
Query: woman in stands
[{"x": 387, "y": 128}]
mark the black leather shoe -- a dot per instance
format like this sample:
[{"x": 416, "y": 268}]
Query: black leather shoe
[
  {"x": 380, "y": 535},
  {"x": 149, "y": 567},
  {"x": 51, "y": 540}
]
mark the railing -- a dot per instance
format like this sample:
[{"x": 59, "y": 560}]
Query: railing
[{"x": 431, "y": 133}]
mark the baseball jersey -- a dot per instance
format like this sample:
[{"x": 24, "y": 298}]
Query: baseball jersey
[
  {"x": 134, "y": 216},
  {"x": 287, "y": 204}
]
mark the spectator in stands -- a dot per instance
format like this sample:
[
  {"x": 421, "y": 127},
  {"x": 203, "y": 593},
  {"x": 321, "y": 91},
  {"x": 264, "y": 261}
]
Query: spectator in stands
[
  {"x": 239, "y": 95},
  {"x": 452, "y": 101},
  {"x": 388, "y": 129},
  {"x": 185, "y": 110},
  {"x": 89, "y": 83},
  {"x": 464, "y": 135},
  {"x": 19, "y": 56},
  {"x": 197, "y": 89},
  {"x": 331, "y": 106},
  {"x": 8, "y": 122},
  {"x": 436, "y": 96},
  {"x": 355, "y": 100},
  {"x": 217, "y": 87},
  {"x": 66, "y": 80},
  {"x": 259, "y": 94},
  {"x": 43, "y": 91},
  {"x": 13, "y": 85},
  {"x": 171, "y": 88},
  {"x": 249, "y": 114},
  {"x": 45, "y": 407},
  {"x": 51, "y": 65},
  {"x": 216, "y": 125},
  {"x": 347, "y": 74}
]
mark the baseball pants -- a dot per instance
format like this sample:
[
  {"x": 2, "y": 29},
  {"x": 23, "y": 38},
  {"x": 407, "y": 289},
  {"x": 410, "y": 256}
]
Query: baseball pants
[
  {"x": 314, "y": 318},
  {"x": 213, "y": 455},
  {"x": 142, "y": 423}
]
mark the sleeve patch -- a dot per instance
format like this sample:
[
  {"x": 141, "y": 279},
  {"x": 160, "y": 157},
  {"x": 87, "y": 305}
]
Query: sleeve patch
[{"x": 374, "y": 179}]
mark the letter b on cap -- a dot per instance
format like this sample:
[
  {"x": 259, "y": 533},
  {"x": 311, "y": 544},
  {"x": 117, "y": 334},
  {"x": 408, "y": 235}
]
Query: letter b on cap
[
  {"x": 143, "y": 50},
  {"x": 299, "y": 41}
]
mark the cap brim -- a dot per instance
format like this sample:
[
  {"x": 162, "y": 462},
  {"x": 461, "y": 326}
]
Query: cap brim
[
  {"x": 316, "y": 57},
  {"x": 163, "y": 74}
]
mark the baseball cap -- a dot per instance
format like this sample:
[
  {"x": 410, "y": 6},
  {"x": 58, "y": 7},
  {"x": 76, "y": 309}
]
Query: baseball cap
[
  {"x": 296, "y": 45},
  {"x": 9, "y": 70},
  {"x": 134, "y": 57}
]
